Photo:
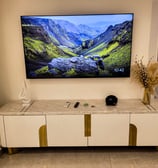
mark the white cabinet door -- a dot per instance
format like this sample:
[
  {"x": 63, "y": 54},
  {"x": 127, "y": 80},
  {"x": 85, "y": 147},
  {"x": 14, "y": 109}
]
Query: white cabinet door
[
  {"x": 109, "y": 130},
  {"x": 2, "y": 133},
  {"x": 23, "y": 131},
  {"x": 66, "y": 130},
  {"x": 146, "y": 128}
]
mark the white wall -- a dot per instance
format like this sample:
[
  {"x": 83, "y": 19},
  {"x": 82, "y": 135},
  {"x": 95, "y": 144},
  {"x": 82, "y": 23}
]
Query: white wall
[
  {"x": 153, "y": 47},
  {"x": 12, "y": 58},
  {"x": 2, "y": 96}
]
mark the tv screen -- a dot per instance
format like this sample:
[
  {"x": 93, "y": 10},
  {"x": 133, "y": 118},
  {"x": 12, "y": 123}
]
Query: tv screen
[{"x": 77, "y": 46}]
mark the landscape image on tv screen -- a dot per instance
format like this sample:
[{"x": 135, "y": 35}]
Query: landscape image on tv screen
[{"x": 78, "y": 46}]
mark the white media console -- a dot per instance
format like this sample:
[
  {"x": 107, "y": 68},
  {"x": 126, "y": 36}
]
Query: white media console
[{"x": 57, "y": 123}]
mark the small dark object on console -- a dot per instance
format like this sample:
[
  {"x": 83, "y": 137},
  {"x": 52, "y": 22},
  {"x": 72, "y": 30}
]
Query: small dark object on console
[
  {"x": 111, "y": 100},
  {"x": 76, "y": 104}
]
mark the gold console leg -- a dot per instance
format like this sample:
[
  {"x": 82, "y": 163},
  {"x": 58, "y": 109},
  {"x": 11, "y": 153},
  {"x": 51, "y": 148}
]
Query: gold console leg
[{"x": 12, "y": 151}]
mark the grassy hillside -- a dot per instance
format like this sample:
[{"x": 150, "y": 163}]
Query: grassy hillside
[
  {"x": 118, "y": 58},
  {"x": 38, "y": 50},
  {"x": 103, "y": 49}
]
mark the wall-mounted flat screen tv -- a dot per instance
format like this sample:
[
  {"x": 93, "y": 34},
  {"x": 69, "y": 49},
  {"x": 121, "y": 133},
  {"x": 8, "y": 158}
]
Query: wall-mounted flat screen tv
[{"x": 77, "y": 46}]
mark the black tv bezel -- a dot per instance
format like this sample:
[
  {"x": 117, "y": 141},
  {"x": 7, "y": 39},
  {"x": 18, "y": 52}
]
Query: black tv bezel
[{"x": 81, "y": 77}]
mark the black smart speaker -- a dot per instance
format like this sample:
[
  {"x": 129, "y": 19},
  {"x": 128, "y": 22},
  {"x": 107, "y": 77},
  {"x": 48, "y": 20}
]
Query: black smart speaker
[{"x": 111, "y": 100}]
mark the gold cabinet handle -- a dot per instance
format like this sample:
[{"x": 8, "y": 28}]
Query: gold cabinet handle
[
  {"x": 87, "y": 124},
  {"x": 43, "y": 136},
  {"x": 132, "y": 135}
]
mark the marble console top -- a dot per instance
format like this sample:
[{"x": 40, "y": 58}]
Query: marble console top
[
  {"x": 154, "y": 104},
  {"x": 12, "y": 108},
  {"x": 50, "y": 107}
]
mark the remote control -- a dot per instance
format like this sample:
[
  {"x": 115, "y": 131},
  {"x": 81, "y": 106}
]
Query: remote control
[{"x": 76, "y": 104}]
